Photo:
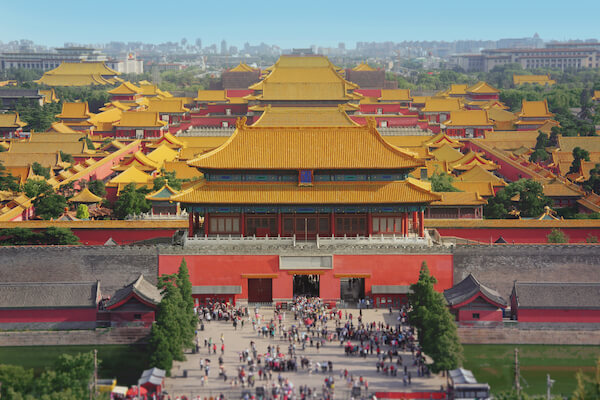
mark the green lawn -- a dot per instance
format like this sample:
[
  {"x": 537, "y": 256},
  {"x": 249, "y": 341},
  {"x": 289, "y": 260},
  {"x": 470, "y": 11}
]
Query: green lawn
[
  {"x": 125, "y": 363},
  {"x": 494, "y": 364}
]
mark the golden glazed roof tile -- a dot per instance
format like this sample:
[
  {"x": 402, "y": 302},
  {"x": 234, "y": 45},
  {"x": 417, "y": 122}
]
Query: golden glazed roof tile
[
  {"x": 319, "y": 193},
  {"x": 296, "y": 148},
  {"x": 304, "y": 116},
  {"x": 469, "y": 118},
  {"x": 11, "y": 121},
  {"x": 535, "y": 109}
]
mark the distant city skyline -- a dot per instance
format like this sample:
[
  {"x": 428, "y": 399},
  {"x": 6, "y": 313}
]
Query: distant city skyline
[{"x": 311, "y": 22}]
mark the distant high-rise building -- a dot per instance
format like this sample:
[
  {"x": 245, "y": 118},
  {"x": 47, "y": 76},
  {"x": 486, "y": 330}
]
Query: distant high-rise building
[{"x": 223, "y": 46}]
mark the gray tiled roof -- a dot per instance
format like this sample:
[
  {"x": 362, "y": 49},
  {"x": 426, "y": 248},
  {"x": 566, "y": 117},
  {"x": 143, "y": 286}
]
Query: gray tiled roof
[
  {"x": 557, "y": 295},
  {"x": 142, "y": 288},
  {"x": 468, "y": 288},
  {"x": 17, "y": 93},
  {"x": 48, "y": 295}
]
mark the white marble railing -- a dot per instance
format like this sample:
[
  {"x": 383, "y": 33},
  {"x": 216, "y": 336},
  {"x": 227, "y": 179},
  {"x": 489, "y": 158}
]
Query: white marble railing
[
  {"x": 318, "y": 240},
  {"x": 160, "y": 216}
]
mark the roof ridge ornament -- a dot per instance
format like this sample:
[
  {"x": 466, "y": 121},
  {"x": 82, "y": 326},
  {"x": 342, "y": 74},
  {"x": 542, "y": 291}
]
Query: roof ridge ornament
[
  {"x": 240, "y": 123},
  {"x": 371, "y": 123}
]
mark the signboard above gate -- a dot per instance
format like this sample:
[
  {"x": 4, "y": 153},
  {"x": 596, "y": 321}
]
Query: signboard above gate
[{"x": 305, "y": 262}]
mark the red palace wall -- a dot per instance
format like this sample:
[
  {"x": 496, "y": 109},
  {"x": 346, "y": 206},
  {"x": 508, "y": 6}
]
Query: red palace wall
[
  {"x": 518, "y": 235},
  {"x": 92, "y": 237},
  {"x": 544, "y": 315},
  {"x": 48, "y": 315},
  {"x": 386, "y": 108},
  {"x": 209, "y": 270},
  {"x": 466, "y": 315}
]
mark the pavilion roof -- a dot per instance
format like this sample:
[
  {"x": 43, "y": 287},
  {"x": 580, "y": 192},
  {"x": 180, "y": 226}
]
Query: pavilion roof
[
  {"x": 469, "y": 287},
  {"x": 459, "y": 199},
  {"x": 79, "y": 74},
  {"x": 141, "y": 288},
  {"x": 353, "y": 147},
  {"x": 363, "y": 66},
  {"x": 500, "y": 115},
  {"x": 395, "y": 95},
  {"x": 441, "y": 139},
  {"x": 469, "y": 118},
  {"x": 482, "y": 88},
  {"x": 480, "y": 174},
  {"x": 85, "y": 196},
  {"x": 535, "y": 109},
  {"x": 11, "y": 121},
  {"x": 162, "y": 153},
  {"x": 162, "y": 194},
  {"x": 242, "y": 67},
  {"x": 182, "y": 170},
  {"x": 126, "y": 88},
  {"x": 447, "y": 153},
  {"x": 304, "y": 116},
  {"x": 61, "y": 128},
  {"x": 141, "y": 119},
  {"x": 169, "y": 105},
  {"x": 49, "y": 96},
  {"x": 76, "y": 110},
  {"x": 470, "y": 160},
  {"x": 484, "y": 189},
  {"x": 211, "y": 96},
  {"x": 441, "y": 105},
  {"x": 319, "y": 193},
  {"x": 131, "y": 175},
  {"x": 304, "y": 78},
  {"x": 533, "y": 79},
  {"x": 105, "y": 120}
]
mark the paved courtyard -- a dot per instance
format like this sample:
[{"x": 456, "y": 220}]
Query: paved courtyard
[{"x": 187, "y": 376}]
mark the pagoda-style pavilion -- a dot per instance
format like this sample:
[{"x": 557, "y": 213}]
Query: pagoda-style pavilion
[{"x": 306, "y": 181}]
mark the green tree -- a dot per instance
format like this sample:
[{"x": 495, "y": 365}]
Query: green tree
[
  {"x": 36, "y": 187},
  {"x": 8, "y": 182},
  {"x": 539, "y": 155},
  {"x": 587, "y": 387},
  {"x": 49, "y": 206},
  {"x": 579, "y": 155},
  {"x": 66, "y": 157},
  {"x": 97, "y": 187},
  {"x": 38, "y": 118},
  {"x": 442, "y": 182},
  {"x": 557, "y": 236},
  {"x": 531, "y": 203},
  {"x": 132, "y": 201},
  {"x": 168, "y": 177},
  {"x": 189, "y": 320},
  {"x": 15, "y": 379},
  {"x": 55, "y": 236},
  {"x": 40, "y": 170},
  {"x": 26, "y": 236},
  {"x": 434, "y": 323},
  {"x": 82, "y": 212}
]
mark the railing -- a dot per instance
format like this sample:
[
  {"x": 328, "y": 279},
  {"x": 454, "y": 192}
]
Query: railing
[
  {"x": 318, "y": 240},
  {"x": 159, "y": 216}
]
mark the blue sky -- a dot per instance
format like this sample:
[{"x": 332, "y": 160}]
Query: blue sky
[{"x": 293, "y": 23}]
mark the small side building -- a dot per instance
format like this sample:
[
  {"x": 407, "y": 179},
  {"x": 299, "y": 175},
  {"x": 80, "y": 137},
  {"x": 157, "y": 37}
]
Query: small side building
[
  {"x": 135, "y": 304},
  {"x": 556, "y": 302},
  {"x": 472, "y": 302}
]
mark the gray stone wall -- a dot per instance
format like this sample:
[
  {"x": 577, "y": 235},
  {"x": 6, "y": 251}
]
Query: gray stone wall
[
  {"x": 78, "y": 337},
  {"x": 498, "y": 266},
  {"x": 113, "y": 266},
  {"x": 528, "y": 336}
]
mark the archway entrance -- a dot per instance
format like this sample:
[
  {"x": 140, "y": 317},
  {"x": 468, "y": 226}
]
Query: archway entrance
[
  {"x": 260, "y": 290},
  {"x": 306, "y": 285},
  {"x": 352, "y": 289}
]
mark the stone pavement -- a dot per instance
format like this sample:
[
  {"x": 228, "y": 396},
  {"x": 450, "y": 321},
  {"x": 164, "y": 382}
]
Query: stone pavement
[{"x": 186, "y": 375}]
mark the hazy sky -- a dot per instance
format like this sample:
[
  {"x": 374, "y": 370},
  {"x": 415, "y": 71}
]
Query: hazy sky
[{"x": 294, "y": 23}]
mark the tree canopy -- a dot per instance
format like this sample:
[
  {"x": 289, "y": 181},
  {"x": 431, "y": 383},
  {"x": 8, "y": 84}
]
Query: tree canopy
[
  {"x": 132, "y": 201},
  {"x": 8, "y": 182},
  {"x": 531, "y": 200},
  {"x": 49, "y": 206},
  {"x": 579, "y": 155},
  {"x": 442, "y": 182},
  {"x": 26, "y": 236}
]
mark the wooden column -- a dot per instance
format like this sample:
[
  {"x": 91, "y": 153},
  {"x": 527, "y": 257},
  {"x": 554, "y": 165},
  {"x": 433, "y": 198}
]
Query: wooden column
[
  {"x": 369, "y": 223},
  {"x": 206, "y": 223},
  {"x": 404, "y": 224},
  {"x": 191, "y": 224},
  {"x": 332, "y": 223},
  {"x": 279, "y": 223},
  {"x": 421, "y": 224},
  {"x": 415, "y": 221},
  {"x": 243, "y": 224}
]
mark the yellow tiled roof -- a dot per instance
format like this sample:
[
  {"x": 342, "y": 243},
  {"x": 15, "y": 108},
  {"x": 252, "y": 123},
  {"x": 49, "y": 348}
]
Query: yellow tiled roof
[
  {"x": 395, "y": 95},
  {"x": 11, "y": 121},
  {"x": 49, "y": 96},
  {"x": 304, "y": 78},
  {"x": 131, "y": 175},
  {"x": 497, "y": 114},
  {"x": 211, "y": 96},
  {"x": 319, "y": 193},
  {"x": 470, "y": 160},
  {"x": 482, "y": 88},
  {"x": 25, "y": 159},
  {"x": 182, "y": 170},
  {"x": 140, "y": 158},
  {"x": 407, "y": 141},
  {"x": 560, "y": 190},
  {"x": 363, "y": 66},
  {"x": 126, "y": 88},
  {"x": 148, "y": 89},
  {"x": 589, "y": 143},
  {"x": 55, "y": 137},
  {"x": 485, "y": 189},
  {"x": 458, "y": 89},
  {"x": 140, "y": 119},
  {"x": 105, "y": 120},
  {"x": 469, "y": 118},
  {"x": 61, "y": 128},
  {"x": 596, "y": 95},
  {"x": 446, "y": 153},
  {"x": 75, "y": 111},
  {"x": 170, "y": 139},
  {"x": 48, "y": 147},
  {"x": 441, "y": 139},
  {"x": 242, "y": 67},
  {"x": 85, "y": 196},
  {"x": 441, "y": 105},
  {"x": 537, "y": 79},
  {"x": 162, "y": 153},
  {"x": 459, "y": 199},
  {"x": 79, "y": 74},
  {"x": 306, "y": 148},
  {"x": 420, "y": 99},
  {"x": 166, "y": 106},
  {"x": 304, "y": 116},
  {"x": 535, "y": 109},
  {"x": 479, "y": 174}
]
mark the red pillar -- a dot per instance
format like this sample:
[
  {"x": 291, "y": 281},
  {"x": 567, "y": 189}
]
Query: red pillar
[
  {"x": 415, "y": 221},
  {"x": 421, "y": 224},
  {"x": 206, "y": 221},
  {"x": 243, "y": 224},
  {"x": 369, "y": 224},
  {"x": 278, "y": 223},
  {"x": 404, "y": 224},
  {"x": 191, "y": 224},
  {"x": 332, "y": 223}
]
